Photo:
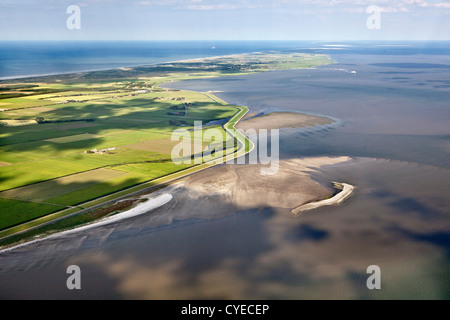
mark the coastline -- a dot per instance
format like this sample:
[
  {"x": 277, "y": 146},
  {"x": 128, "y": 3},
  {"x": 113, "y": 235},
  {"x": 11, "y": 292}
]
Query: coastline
[
  {"x": 204, "y": 247},
  {"x": 97, "y": 204},
  {"x": 150, "y": 204},
  {"x": 128, "y": 197},
  {"x": 27, "y": 77}
]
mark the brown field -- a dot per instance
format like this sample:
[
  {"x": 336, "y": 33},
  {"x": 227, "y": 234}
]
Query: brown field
[
  {"x": 77, "y": 137},
  {"x": 27, "y": 112},
  {"x": 116, "y": 132},
  {"x": 76, "y": 125},
  {"x": 163, "y": 146}
]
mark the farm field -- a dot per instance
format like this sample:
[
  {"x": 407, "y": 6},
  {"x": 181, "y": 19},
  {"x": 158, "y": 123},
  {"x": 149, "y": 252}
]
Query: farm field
[
  {"x": 77, "y": 151},
  {"x": 70, "y": 139}
]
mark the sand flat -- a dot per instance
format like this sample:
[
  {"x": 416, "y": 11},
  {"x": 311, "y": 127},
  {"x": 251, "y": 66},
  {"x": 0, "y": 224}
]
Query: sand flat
[
  {"x": 278, "y": 120},
  {"x": 244, "y": 187},
  {"x": 346, "y": 190}
]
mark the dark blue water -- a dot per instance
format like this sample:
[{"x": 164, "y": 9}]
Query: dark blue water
[{"x": 29, "y": 58}]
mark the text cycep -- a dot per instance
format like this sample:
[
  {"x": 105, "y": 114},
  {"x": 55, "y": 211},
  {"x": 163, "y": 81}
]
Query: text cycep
[{"x": 242, "y": 309}]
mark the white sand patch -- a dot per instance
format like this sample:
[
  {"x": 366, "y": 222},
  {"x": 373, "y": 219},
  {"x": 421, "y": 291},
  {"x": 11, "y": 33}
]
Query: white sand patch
[
  {"x": 144, "y": 207},
  {"x": 346, "y": 188}
]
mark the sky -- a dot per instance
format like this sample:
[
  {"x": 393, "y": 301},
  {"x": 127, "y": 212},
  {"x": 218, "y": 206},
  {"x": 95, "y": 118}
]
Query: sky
[{"x": 337, "y": 20}]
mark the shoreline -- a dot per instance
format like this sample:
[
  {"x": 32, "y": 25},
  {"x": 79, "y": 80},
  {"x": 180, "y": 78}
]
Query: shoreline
[
  {"x": 27, "y": 77},
  {"x": 141, "y": 208},
  {"x": 245, "y": 147},
  {"x": 146, "y": 186},
  {"x": 156, "y": 64}
]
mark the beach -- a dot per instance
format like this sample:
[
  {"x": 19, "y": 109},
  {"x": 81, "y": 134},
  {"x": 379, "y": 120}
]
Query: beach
[{"x": 145, "y": 204}]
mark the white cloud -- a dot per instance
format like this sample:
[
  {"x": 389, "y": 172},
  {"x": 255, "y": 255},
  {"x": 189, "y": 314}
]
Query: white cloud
[
  {"x": 220, "y": 6},
  {"x": 445, "y": 5},
  {"x": 316, "y": 5},
  {"x": 343, "y": 5}
]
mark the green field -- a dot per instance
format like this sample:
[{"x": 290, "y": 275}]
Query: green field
[
  {"x": 59, "y": 162},
  {"x": 68, "y": 140}
]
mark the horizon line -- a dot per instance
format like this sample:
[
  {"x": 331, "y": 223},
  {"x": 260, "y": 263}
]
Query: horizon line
[{"x": 243, "y": 40}]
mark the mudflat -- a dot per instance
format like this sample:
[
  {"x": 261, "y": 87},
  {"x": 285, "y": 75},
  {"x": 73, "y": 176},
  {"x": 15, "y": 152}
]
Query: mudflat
[
  {"x": 278, "y": 120},
  {"x": 244, "y": 187}
]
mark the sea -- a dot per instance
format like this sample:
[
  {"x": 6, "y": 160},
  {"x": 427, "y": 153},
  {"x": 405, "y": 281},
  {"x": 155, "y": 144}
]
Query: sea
[
  {"x": 29, "y": 58},
  {"x": 391, "y": 103}
]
